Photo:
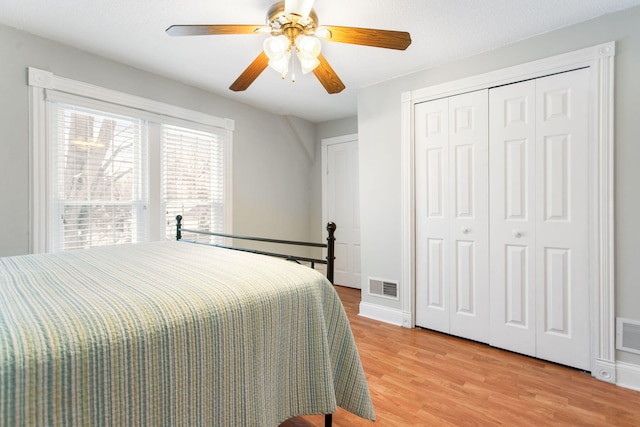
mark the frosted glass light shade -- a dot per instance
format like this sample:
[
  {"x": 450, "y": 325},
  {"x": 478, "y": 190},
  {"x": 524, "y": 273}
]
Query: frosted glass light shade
[
  {"x": 281, "y": 63},
  {"x": 309, "y": 45},
  {"x": 322, "y": 32},
  {"x": 308, "y": 51},
  {"x": 278, "y": 52},
  {"x": 274, "y": 46},
  {"x": 308, "y": 64}
]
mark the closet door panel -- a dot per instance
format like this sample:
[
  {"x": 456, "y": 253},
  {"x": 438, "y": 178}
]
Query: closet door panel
[
  {"x": 432, "y": 214},
  {"x": 561, "y": 223},
  {"x": 512, "y": 217},
  {"x": 515, "y": 179},
  {"x": 516, "y": 286},
  {"x": 468, "y": 225},
  {"x": 502, "y": 252}
]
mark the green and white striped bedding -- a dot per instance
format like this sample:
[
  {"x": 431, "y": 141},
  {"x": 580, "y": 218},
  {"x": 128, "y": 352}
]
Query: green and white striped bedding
[{"x": 171, "y": 334}]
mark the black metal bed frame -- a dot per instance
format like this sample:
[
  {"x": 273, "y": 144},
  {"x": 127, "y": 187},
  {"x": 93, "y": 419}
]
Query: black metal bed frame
[{"x": 329, "y": 260}]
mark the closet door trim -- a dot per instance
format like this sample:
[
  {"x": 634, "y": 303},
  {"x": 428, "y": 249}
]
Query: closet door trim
[{"x": 600, "y": 61}]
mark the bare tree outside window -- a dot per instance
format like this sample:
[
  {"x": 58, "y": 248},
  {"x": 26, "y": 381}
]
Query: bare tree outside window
[{"x": 99, "y": 169}]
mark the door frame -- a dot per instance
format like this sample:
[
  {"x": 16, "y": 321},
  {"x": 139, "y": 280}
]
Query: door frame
[
  {"x": 324, "y": 164},
  {"x": 600, "y": 61}
]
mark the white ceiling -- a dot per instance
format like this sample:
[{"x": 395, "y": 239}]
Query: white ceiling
[{"x": 132, "y": 32}]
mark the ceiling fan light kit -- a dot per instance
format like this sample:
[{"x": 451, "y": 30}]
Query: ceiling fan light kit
[{"x": 293, "y": 25}]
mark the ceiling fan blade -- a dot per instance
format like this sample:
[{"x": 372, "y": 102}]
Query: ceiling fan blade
[
  {"x": 388, "y": 39},
  {"x": 327, "y": 76},
  {"x": 251, "y": 73},
  {"x": 204, "y": 30}
]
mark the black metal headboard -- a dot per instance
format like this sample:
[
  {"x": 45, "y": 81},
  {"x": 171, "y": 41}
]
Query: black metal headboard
[{"x": 330, "y": 245}]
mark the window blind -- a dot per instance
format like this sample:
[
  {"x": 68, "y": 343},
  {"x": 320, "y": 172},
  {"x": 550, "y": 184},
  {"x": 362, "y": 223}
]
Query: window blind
[
  {"x": 193, "y": 183},
  {"x": 98, "y": 178},
  {"x": 112, "y": 168}
]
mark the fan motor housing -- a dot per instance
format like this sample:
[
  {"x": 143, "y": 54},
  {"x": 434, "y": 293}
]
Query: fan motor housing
[{"x": 279, "y": 22}]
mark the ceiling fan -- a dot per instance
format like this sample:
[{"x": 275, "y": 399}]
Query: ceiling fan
[{"x": 293, "y": 26}]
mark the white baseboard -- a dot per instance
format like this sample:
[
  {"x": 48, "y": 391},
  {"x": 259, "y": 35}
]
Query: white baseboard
[
  {"x": 381, "y": 313},
  {"x": 628, "y": 375},
  {"x": 604, "y": 370}
]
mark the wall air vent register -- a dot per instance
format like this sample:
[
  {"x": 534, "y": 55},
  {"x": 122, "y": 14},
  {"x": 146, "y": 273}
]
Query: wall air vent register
[{"x": 383, "y": 288}]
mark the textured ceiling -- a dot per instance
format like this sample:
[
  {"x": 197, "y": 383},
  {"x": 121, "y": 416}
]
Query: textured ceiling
[{"x": 132, "y": 32}]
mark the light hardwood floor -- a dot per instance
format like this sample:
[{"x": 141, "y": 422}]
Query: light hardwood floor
[{"x": 423, "y": 378}]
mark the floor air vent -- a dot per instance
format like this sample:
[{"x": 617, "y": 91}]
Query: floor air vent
[
  {"x": 628, "y": 335},
  {"x": 383, "y": 288}
]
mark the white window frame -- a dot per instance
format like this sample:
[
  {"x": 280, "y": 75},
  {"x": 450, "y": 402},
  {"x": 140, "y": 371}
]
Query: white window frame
[{"x": 41, "y": 81}]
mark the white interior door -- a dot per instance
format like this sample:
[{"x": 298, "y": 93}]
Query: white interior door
[
  {"x": 562, "y": 285},
  {"x": 539, "y": 205},
  {"x": 452, "y": 272},
  {"x": 512, "y": 218},
  {"x": 343, "y": 207},
  {"x": 469, "y": 224},
  {"x": 432, "y": 214}
]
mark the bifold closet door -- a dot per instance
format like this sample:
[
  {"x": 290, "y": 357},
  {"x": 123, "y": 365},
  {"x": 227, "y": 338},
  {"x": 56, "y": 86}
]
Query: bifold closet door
[
  {"x": 512, "y": 155},
  {"x": 452, "y": 248},
  {"x": 538, "y": 219}
]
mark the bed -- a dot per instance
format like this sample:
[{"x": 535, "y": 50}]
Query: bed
[{"x": 172, "y": 334}]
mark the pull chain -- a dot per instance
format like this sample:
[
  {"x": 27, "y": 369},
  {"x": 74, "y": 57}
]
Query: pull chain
[{"x": 293, "y": 70}]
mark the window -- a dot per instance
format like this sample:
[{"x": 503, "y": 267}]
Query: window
[
  {"x": 193, "y": 179},
  {"x": 110, "y": 168},
  {"x": 98, "y": 183}
]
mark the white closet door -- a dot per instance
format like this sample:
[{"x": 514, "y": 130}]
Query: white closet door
[
  {"x": 469, "y": 216},
  {"x": 538, "y": 220},
  {"x": 451, "y": 140},
  {"x": 512, "y": 157},
  {"x": 343, "y": 207},
  {"x": 432, "y": 214},
  {"x": 562, "y": 283}
]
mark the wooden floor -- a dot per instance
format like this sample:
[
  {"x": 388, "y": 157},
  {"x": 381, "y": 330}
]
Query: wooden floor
[{"x": 423, "y": 378}]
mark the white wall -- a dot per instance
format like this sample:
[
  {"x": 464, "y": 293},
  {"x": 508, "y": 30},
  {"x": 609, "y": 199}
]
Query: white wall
[
  {"x": 272, "y": 155},
  {"x": 379, "y": 125}
]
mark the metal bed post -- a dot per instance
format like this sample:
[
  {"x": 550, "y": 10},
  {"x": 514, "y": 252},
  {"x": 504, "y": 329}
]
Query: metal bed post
[
  {"x": 328, "y": 420},
  {"x": 331, "y": 240},
  {"x": 178, "y": 227}
]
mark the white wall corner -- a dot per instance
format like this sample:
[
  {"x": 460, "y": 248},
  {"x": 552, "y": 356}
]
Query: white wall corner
[
  {"x": 303, "y": 133},
  {"x": 628, "y": 375},
  {"x": 381, "y": 313}
]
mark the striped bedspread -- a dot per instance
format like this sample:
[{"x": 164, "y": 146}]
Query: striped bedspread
[{"x": 171, "y": 334}]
